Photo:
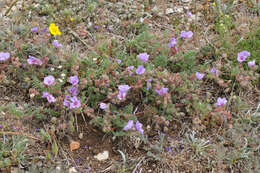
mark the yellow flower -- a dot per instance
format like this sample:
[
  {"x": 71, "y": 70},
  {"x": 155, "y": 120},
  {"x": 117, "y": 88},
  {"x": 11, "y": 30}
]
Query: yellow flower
[
  {"x": 71, "y": 19},
  {"x": 54, "y": 29},
  {"x": 213, "y": 3}
]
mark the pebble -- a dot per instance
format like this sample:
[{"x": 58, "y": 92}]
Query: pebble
[
  {"x": 73, "y": 170},
  {"x": 169, "y": 11},
  {"x": 102, "y": 156},
  {"x": 80, "y": 135}
]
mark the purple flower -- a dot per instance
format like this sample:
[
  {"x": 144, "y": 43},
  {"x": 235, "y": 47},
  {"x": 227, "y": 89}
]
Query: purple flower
[
  {"x": 4, "y": 56},
  {"x": 49, "y": 80},
  {"x": 173, "y": 42},
  {"x": 130, "y": 67},
  {"x": 139, "y": 126},
  {"x": 186, "y": 34},
  {"x": 121, "y": 95},
  {"x": 49, "y": 97},
  {"x": 162, "y": 91},
  {"x": 103, "y": 106},
  {"x": 73, "y": 90},
  {"x": 74, "y": 102},
  {"x": 129, "y": 125},
  {"x": 123, "y": 88},
  {"x": 241, "y": 56},
  {"x": 74, "y": 80},
  {"x": 45, "y": 94},
  {"x": 45, "y": 30},
  {"x": 34, "y": 29},
  {"x": 66, "y": 101},
  {"x": 213, "y": 70},
  {"x": 118, "y": 61},
  {"x": 32, "y": 60},
  {"x": 251, "y": 63},
  {"x": 189, "y": 14},
  {"x": 148, "y": 84},
  {"x": 221, "y": 101},
  {"x": 122, "y": 91},
  {"x": 143, "y": 57},
  {"x": 56, "y": 43},
  {"x": 199, "y": 75},
  {"x": 140, "y": 69}
]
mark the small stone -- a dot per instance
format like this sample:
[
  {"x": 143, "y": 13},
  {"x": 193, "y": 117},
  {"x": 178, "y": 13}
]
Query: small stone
[
  {"x": 155, "y": 9},
  {"x": 102, "y": 156},
  {"x": 169, "y": 11},
  {"x": 80, "y": 135},
  {"x": 73, "y": 170},
  {"x": 58, "y": 168},
  {"x": 186, "y": 1},
  {"x": 178, "y": 10}
]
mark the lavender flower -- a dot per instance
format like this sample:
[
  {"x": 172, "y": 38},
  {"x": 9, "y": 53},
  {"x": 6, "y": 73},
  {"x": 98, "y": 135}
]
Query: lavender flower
[
  {"x": 4, "y": 56},
  {"x": 66, "y": 101},
  {"x": 143, "y": 57},
  {"x": 45, "y": 30},
  {"x": 73, "y": 90},
  {"x": 242, "y": 56},
  {"x": 118, "y": 61},
  {"x": 140, "y": 69},
  {"x": 121, "y": 95},
  {"x": 199, "y": 76},
  {"x": 213, "y": 70},
  {"x": 173, "y": 42},
  {"x": 189, "y": 14},
  {"x": 161, "y": 91},
  {"x": 129, "y": 125},
  {"x": 74, "y": 102},
  {"x": 45, "y": 94},
  {"x": 148, "y": 84},
  {"x": 74, "y": 80},
  {"x": 34, "y": 29},
  {"x": 251, "y": 63},
  {"x": 56, "y": 43},
  {"x": 49, "y": 80},
  {"x": 122, "y": 91},
  {"x": 139, "y": 126},
  {"x": 32, "y": 60},
  {"x": 123, "y": 88},
  {"x": 186, "y": 34},
  {"x": 130, "y": 67},
  {"x": 103, "y": 106},
  {"x": 221, "y": 101},
  {"x": 49, "y": 97}
]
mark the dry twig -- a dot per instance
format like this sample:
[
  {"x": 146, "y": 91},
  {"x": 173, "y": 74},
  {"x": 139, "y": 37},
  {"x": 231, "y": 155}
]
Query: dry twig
[{"x": 20, "y": 133}]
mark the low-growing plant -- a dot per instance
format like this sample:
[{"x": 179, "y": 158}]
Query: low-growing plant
[{"x": 12, "y": 150}]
